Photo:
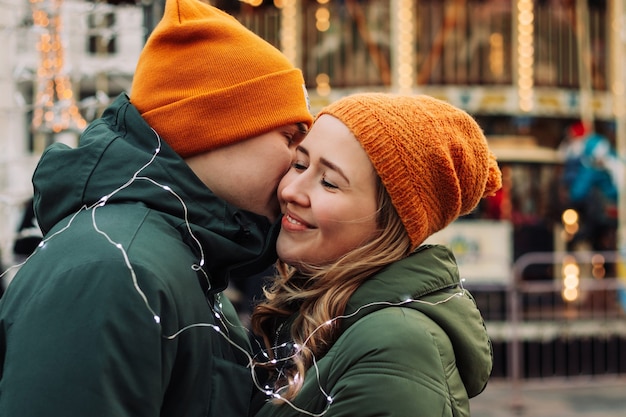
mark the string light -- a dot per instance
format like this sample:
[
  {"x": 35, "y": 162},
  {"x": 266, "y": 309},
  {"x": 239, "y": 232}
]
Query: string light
[
  {"x": 289, "y": 30},
  {"x": 525, "y": 54},
  {"x": 216, "y": 308},
  {"x": 404, "y": 30},
  {"x": 55, "y": 108}
]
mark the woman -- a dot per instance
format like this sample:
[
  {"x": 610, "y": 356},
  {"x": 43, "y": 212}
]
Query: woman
[{"x": 364, "y": 319}]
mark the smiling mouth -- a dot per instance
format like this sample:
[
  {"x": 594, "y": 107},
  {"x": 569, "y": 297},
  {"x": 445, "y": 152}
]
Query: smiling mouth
[
  {"x": 292, "y": 220},
  {"x": 292, "y": 223}
]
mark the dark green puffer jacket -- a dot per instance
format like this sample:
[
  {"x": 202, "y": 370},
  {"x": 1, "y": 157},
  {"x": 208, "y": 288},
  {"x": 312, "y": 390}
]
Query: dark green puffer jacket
[
  {"x": 78, "y": 333},
  {"x": 424, "y": 358}
]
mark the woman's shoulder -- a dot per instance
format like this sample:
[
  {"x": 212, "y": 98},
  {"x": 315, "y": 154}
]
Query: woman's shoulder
[
  {"x": 393, "y": 334},
  {"x": 399, "y": 348}
]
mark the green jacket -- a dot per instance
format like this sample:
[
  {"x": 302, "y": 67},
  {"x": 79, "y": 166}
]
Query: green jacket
[
  {"x": 422, "y": 358},
  {"x": 78, "y": 332}
]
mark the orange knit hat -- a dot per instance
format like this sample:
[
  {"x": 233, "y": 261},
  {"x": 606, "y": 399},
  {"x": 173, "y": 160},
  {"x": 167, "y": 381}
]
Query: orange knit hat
[
  {"x": 432, "y": 157},
  {"x": 203, "y": 81}
]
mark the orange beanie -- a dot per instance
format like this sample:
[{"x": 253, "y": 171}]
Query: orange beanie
[
  {"x": 203, "y": 81},
  {"x": 432, "y": 157}
]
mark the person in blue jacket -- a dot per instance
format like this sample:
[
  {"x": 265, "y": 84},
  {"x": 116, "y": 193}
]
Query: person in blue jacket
[
  {"x": 590, "y": 179},
  {"x": 365, "y": 319},
  {"x": 119, "y": 311}
]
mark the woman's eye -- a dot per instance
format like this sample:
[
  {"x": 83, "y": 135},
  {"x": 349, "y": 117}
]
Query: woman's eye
[
  {"x": 327, "y": 184},
  {"x": 298, "y": 166}
]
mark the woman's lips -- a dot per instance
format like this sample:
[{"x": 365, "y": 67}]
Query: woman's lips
[{"x": 293, "y": 223}]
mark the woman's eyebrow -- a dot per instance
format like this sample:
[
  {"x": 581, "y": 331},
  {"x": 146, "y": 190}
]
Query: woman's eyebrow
[
  {"x": 326, "y": 163},
  {"x": 335, "y": 168}
]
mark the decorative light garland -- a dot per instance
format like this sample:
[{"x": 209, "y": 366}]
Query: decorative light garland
[
  {"x": 55, "y": 108},
  {"x": 525, "y": 54},
  {"x": 222, "y": 330}
]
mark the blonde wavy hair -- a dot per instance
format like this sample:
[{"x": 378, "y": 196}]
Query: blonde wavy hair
[{"x": 320, "y": 293}]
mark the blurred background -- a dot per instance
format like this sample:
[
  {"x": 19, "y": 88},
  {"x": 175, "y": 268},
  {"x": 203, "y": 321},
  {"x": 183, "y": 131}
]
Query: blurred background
[{"x": 544, "y": 78}]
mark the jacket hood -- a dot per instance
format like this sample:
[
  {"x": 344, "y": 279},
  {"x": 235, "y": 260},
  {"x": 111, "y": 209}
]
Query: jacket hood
[
  {"x": 428, "y": 281},
  {"x": 121, "y": 160}
]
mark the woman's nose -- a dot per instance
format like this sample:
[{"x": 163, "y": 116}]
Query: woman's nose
[{"x": 293, "y": 189}]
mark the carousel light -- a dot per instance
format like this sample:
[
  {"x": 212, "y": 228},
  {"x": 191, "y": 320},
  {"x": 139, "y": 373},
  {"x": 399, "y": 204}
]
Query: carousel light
[
  {"x": 289, "y": 30},
  {"x": 571, "y": 279},
  {"x": 525, "y": 53},
  {"x": 406, "y": 35},
  {"x": 322, "y": 19}
]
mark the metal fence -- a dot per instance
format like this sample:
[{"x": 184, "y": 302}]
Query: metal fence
[{"x": 571, "y": 326}]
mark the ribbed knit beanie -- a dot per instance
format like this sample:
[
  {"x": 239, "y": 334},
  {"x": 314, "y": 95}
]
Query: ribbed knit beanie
[
  {"x": 204, "y": 81},
  {"x": 432, "y": 157}
]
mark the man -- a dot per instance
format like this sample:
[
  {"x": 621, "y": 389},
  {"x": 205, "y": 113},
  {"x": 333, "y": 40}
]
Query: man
[{"x": 118, "y": 312}]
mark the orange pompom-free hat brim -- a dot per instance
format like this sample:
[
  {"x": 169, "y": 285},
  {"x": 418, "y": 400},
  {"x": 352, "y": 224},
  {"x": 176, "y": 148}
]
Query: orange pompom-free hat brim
[{"x": 204, "y": 81}]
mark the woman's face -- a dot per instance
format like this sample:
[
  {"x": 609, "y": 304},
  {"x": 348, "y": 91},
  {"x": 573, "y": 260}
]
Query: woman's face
[{"x": 328, "y": 197}]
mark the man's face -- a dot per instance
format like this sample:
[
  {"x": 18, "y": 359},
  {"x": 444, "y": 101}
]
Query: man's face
[{"x": 246, "y": 174}]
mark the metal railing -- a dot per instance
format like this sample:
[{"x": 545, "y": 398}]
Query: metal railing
[{"x": 538, "y": 333}]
